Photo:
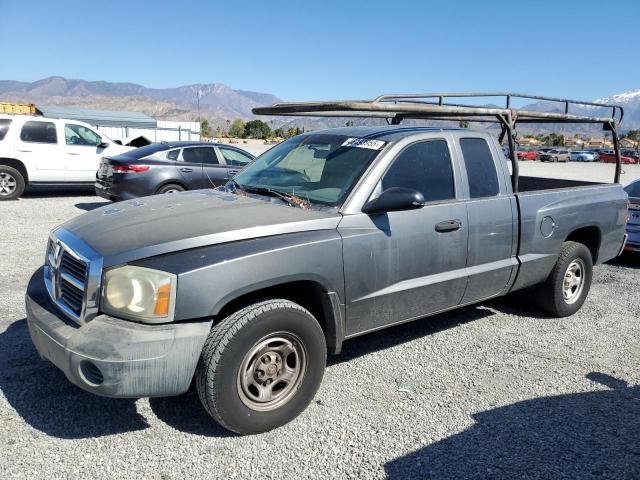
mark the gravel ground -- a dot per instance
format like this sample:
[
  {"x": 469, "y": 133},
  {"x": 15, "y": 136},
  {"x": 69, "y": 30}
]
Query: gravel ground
[{"x": 492, "y": 391}]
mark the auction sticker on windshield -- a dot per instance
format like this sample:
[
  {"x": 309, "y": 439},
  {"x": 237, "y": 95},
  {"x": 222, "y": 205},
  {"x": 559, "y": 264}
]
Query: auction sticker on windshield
[{"x": 363, "y": 143}]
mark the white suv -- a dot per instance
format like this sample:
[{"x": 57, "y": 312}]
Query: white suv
[{"x": 47, "y": 151}]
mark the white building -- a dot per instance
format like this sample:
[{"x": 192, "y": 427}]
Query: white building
[{"x": 125, "y": 126}]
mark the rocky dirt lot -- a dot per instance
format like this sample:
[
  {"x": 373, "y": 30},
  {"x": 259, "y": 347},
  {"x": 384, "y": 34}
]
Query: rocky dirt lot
[{"x": 497, "y": 390}]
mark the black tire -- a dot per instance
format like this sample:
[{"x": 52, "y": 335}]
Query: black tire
[
  {"x": 11, "y": 183},
  {"x": 229, "y": 344},
  {"x": 170, "y": 188},
  {"x": 550, "y": 293}
]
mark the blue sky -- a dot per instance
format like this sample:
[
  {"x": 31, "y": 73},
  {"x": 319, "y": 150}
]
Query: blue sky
[{"x": 307, "y": 50}]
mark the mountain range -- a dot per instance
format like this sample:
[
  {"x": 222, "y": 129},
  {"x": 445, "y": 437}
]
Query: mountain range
[{"x": 218, "y": 102}]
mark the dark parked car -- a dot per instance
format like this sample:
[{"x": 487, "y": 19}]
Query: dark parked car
[
  {"x": 168, "y": 168},
  {"x": 633, "y": 222}
]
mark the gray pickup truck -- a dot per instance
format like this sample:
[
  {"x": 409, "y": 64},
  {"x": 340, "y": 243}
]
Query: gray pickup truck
[{"x": 243, "y": 290}]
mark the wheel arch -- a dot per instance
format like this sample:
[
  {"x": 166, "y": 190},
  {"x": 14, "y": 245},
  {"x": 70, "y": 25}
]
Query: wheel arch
[
  {"x": 18, "y": 165},
  {"x": 590, "y": 236},
  {"x": 171, "y": 182},
  {"x": 323, "y": 304}
]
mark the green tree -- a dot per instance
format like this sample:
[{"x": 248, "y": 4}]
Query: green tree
[
  {"x": 237, "y": 128},
  {"x": 205, "y": 128},
  {"x": 291, "y": 132},
  {"x": 257, "y": 129},
  {"x": 633, "y": 135},
  {"x": 278, "y": 133},
  {"x": 463, "y": 123}
]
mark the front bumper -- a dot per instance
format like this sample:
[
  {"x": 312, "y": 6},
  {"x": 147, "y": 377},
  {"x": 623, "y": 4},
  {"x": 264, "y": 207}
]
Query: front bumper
[{"x": 112, "y": 357}]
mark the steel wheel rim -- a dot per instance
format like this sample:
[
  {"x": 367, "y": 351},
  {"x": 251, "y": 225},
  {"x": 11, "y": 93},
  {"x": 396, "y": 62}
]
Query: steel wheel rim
[
  {"x": 172, "y": 190},
  {"x": 573, "y": 281},
  {"x": 8, "y": 184},
  {"x": 271, "y": 371}
]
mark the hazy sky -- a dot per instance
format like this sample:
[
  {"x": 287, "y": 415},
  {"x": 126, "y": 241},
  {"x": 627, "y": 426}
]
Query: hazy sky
[{"x": 306, "y": 50}]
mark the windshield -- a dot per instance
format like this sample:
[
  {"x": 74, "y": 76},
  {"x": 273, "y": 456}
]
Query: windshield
[{"x": 318, "y": 168}]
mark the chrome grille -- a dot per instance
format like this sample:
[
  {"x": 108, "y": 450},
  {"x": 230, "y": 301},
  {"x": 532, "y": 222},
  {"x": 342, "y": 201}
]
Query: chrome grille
[
  {"x": 73, "y": 266},
  {"x": 71, "y": 296},
  {"x": 72, "y": 275}
]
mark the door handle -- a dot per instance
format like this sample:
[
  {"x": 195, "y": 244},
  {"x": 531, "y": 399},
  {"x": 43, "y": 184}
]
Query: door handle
[
  {"x": 448, "y": 226},
  {"x": 233, "y": 172},
  {"x": 72, "y": 153},
  {"x": 26, "y": 151},
  {"x": 186, "y": 170}
]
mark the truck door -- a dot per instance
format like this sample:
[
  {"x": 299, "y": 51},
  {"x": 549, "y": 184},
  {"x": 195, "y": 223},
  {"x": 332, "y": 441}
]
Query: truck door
[
  {"x": 38, "y": 147},
  {"x": 491, "y": 257},
  {"x": 82, "y": 153},
  {"x": 406, "y": 264}
]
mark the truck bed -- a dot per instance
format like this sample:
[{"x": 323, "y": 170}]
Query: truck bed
[{"x": 551, "y": 209}]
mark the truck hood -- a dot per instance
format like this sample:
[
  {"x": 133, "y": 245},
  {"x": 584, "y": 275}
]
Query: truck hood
[{"x": 159, "y": 224}]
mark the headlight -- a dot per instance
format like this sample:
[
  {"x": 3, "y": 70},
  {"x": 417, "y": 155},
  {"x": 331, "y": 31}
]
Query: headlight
[{"x": 138, "y": 293}]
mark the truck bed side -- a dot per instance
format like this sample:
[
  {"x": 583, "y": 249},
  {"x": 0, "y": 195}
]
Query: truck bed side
[{"x": 593, "y": 212}]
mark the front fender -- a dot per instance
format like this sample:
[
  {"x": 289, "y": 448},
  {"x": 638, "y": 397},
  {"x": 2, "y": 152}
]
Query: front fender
[{"x": 211, "y": 277}]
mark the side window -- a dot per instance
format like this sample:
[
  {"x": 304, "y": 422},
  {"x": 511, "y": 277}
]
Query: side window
[
  {"x": 39, "y": 132},
  {"x": 481, "y": 170},
  {"x": 4, "y": 127},
  {"x": 173, "y": 154},
  {"x": 204, "y": 155},
  {"x": 426, "y": 167},
  {"x": 235, "y": 158},
  {"x": 79, "y": 135}
]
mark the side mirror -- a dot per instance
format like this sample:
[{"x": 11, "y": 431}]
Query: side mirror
[
  {"x": 103, "y": 145},
  {"x": 395, "y": 199}
]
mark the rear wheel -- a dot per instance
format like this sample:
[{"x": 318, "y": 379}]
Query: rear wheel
[
  {"x": 261, "y": 366},
  {"x": 11, "y": 183},
  {"x": 171, "y": 188},
  {"x": 568, "y": 284}
]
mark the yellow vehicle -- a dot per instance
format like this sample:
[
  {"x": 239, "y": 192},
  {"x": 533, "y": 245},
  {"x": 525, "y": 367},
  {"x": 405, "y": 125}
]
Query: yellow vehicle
[{"x": 19, "y": 108}]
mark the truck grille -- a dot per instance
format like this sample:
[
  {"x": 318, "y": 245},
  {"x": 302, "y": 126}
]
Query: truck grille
[
  {"x": 72, "y": 276},
  {"x": 71, "y": 282},
  {"x": 74, "y": 267}
]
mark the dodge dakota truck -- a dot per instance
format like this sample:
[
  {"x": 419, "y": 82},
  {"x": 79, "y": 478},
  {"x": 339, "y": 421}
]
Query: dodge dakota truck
[{"x": 245, "y": 289}]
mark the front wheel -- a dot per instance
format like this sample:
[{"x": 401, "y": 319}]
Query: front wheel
[
  {"x": 261, "y": 366},
  {"x": 565, "y": 290}
]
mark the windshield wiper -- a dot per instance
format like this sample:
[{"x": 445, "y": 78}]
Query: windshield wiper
[{"x": 288, "y": 198}]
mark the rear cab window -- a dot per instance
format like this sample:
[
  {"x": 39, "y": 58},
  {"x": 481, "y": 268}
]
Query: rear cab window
[
  {"x": 4, "y": 127},
  {"x": 481, "y": 169},
  {"x": 424, "y": 166},
  {"x": 39, "y": 132}
]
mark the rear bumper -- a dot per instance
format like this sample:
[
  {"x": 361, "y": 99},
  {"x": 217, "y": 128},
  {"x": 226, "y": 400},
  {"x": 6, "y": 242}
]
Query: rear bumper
[
  {"x": 112, "y": 357},
  {"x": 633, "y": 239}
]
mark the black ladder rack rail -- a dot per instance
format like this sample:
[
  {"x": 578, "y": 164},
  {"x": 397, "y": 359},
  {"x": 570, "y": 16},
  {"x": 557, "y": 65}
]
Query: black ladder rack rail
[{"x": 437, "y": 106}]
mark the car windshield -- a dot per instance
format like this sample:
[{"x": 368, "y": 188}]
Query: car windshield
[
  {"x": 316, "y": 168},
  {"x": 633, "y": 190}
]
